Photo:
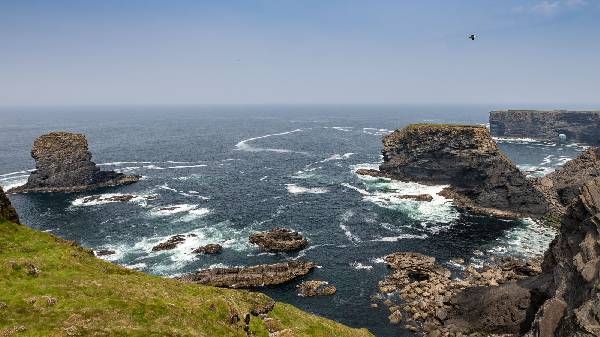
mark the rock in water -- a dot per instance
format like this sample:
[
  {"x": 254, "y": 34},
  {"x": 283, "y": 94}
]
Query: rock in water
[
  {"x": 315, "y": 288},
  {"x": 279, "y": 240},
  {"x": 481, "y": 177},
  {"x": 7, "y": 211},
  {"x": 63, "y": 164},
  {"x": 251, "y": 277},
  {"x": 576, "y": 126},
  {"x": 211, "y": 248}
]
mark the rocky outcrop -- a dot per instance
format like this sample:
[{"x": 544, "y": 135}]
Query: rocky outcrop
[
  {"x": 7, "y": 211},
  {"x": 572, "y": 266},
  {"x": 315, "y": 288},
  {"x": 63, "y": 164},
  {"x": 437, "y": 304},
  {"x": 481, "y": 177},
  {"x": 251, "y": 277},
  {"x": 279, "y": 240},
  {"x": 170, "y": 243},
  {"x": 117, "y": 198},
  {"x": 211, "y": 248},
  {"x": 577, "y": 126},
  {"x": 562, "y": 186}
]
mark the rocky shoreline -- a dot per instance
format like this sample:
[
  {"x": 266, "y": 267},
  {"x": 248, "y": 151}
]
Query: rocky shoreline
[{"x": 63, "y": 164}]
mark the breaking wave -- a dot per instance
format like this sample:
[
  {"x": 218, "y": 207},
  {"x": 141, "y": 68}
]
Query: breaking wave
[{"x": 244, "y": 146}]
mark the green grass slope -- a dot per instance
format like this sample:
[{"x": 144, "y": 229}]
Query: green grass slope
[{"x": 52, "y": 287}]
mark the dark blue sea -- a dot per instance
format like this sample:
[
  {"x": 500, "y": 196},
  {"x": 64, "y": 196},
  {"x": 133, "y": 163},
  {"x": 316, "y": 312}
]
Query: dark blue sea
[{"x": 225, "y": 172}]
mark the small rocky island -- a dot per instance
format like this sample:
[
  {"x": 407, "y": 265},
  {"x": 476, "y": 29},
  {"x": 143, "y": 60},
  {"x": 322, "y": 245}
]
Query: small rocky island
[
  {"x": 576, "y": 126},
  {"x": 480, "y": 176},
  {"x": 63, "y": 164},
  {"x": 7, "y": 211}
]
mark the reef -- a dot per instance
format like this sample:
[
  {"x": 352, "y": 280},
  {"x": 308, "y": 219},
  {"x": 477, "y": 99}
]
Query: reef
[
  {"x": 251, "y": 277},
  {"x": 480, "y": 176},
  {"x": 279, "y": 240},
  {"x": 315, "y": 288},
  {"x": 211, "y": 248},
  {"x": 576, "y": 126},
  {"x": 7, "y": 211},
  {"x": 63, "y": 164}
]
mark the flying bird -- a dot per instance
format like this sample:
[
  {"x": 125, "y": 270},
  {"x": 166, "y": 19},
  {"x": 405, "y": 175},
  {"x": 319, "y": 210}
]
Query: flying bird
[{"x": 472, "y": 37}]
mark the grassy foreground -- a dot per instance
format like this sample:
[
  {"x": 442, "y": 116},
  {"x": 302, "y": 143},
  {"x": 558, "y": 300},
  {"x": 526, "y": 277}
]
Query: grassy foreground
[{"x": 52, "y": 287}]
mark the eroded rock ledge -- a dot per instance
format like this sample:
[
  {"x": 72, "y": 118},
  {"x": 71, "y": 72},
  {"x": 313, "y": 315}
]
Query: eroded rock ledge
[
  {"x": 63, "y": 164},
  {"x": 251, "y": 277},
  {"x": 481, "y": 177}
]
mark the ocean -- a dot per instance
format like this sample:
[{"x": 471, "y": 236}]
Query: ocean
[{"x": 225, "y": 172}]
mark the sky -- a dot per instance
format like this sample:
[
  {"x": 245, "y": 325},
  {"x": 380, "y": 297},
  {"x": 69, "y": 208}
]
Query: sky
[{"x": 148, "y": 52}]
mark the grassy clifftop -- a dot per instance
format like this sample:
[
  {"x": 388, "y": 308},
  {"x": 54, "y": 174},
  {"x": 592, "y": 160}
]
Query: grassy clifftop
[{"x": 52, "y": 287}]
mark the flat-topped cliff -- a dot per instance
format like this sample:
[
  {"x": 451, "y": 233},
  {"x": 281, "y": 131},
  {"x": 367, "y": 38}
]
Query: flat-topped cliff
[
  {"x": 64, "y": 164},
  {"x": 481, "y": 177},
  {"x": 7, "y": 211},
  {"x": 577, "y": 126}
]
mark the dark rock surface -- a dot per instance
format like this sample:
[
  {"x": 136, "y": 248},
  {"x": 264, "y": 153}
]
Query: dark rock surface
[
  {"x": 315, "y": 288},
  {"x": 63, "y": 164},
  {"x": 251, "y": 277},
  {"x": 578, "y": 126},
  {"x": 7, "y": 211},
  {"x": 481, "y": 177},
  {"x": 171, "y": 243},
  {"x": 211, "y": 248},
  {"x": 562, "y": 186},
  {"x": 279, "y": 240},
  {"x": 104, "y": 252}
]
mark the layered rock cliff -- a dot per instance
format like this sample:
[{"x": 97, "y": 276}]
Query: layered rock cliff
[
  {"x": 63, "y": 164},
  {"x": 577, "y": 126},
  {"x": 7, "y": 211},
  {"x": 481, "y": 177},
  {"x": 562, "y": 185}
]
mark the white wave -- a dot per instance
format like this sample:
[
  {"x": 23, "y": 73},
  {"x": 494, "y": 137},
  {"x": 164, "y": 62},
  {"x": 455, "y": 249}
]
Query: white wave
[
  {"x": 338, "y": 157},
  {"x": 516, "y": 140},
  {"x": 378, "y": 260},
  {"x": 153, "y": 167},
  {"x": 360, "y": 266},
  {"x": 136, "y": 266},
  {"x": 166, "y": 187},
  {"x": 389, "y": 194},
  {"x": 244, "y": 146},
  {"x": 376, "y": 131},
  {"x": 187, "y": 166},
  {"x": 263, "y": 178},
  {"x": 528, "y": 239},
  {"x": 294, "y": 189},
  {"x": 13, "y": 181},
  {"x": 400, "y": 237},
  {"x": 196, "y": 214},
  {"x": 343, "y": 128},
  {"x": 16, "y": 173},
  {"x": 173, "y": 209},
  {"x": 349, "y": 234},
  {"x": 106, "y": 199}
]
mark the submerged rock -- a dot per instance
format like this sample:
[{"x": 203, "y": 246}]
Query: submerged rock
[
  {"x": 279, "y": 240},
  {"x": 63, "y": 164},
  {"x": 575, "y": 126},
  {"x": 211, "y": 248},
  {"x": 7, "y": 211},
  {"x": 482, "y": 178},
  {"x": 417, "y": 197},
  {"x": 315, "y": 288},
  {"x": 116, "y": 198},
  {"x": 251, "y": 277}
]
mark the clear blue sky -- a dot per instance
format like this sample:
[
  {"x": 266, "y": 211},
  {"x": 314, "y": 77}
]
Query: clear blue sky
[{"x": 299, "y": 51}]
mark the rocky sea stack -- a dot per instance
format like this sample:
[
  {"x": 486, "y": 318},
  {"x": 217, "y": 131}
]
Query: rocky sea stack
[
  {"x": 576, "y": 126},
  {"x": 7, "y": 211},
  {"x": 63, "y": 164},
  {"x": 481, "y": 177}
]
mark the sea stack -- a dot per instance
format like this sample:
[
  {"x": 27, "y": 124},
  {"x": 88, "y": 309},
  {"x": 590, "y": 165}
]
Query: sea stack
[
  {"x": 7, "y": 211},
  {"x": 574, "y": 126},
  {"x": 481, "y": 177},
  {"x": 63, "y": 164}
]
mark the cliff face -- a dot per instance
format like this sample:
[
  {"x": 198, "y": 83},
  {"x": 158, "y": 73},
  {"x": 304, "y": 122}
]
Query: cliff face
[
  {"x": 562, "y": 185},
  {"x": 572, "y": 264},
  {"x": 63, "y": 164},
  {"x": 578, "y": 126},
  {"x": 466, "y": 158},
  {"x": 7, "y": 211}
]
